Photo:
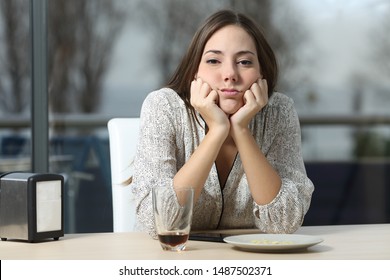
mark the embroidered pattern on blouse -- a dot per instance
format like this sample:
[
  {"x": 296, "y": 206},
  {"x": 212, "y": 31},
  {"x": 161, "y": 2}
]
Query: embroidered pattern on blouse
[{"x": 169, "y": 136}]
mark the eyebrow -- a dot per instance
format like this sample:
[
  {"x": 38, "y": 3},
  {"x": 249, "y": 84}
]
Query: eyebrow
[{"x": 238, "y": 53}]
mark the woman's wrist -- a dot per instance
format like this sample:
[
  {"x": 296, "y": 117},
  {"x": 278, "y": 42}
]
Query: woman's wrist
[
  {"x": 238, "y": 132},
  {"x": 219, "y": 132}
]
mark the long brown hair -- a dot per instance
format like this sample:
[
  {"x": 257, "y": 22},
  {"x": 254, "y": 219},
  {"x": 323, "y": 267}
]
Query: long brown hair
[{"x": 188, "y": 67}]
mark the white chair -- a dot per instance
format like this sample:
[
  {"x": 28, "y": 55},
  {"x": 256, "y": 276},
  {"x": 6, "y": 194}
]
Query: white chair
[{"x": 123, "y": 138}]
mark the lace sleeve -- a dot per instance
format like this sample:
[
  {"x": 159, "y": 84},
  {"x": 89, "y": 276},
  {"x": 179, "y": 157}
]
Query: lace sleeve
[{"x": 286, "y": 212}]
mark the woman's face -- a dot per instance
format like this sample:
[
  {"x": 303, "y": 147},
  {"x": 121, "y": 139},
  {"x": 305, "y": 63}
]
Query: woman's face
[{"x": 230, "y": 65}]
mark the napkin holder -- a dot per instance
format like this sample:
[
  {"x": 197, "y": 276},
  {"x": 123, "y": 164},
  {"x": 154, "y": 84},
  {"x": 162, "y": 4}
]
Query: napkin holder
[{"x": 31, "y": 206}]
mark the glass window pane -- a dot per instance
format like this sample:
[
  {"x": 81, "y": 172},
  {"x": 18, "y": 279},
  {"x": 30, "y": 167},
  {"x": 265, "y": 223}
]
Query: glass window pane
[
  {"x": 15, "y": 87},
  {"x": 105, "y": 56}
]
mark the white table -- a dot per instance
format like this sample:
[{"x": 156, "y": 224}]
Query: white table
[{"x": 346, "y": 242}]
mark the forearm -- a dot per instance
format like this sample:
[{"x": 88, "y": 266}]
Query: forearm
[
  {"x": 195, "y": 171},
  {"x": 264, "y": 182}
]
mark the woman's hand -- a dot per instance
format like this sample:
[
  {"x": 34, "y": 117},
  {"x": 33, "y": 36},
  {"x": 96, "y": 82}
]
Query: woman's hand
[
  {"x": 205, "y": 100},
  {"x": 197, "y": 168},
  {"x": 255, "y": 99}
]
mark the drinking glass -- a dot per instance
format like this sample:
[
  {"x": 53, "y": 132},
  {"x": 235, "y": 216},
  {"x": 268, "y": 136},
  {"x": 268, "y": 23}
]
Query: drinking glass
[{"x": 173, "y": 216}]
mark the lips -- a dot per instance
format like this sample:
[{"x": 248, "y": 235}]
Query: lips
[{"x": 230, "y": 92}]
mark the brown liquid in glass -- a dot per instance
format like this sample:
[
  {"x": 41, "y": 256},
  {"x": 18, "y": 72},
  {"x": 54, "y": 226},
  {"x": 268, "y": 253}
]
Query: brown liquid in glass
[{"x": 173, "y": 239}]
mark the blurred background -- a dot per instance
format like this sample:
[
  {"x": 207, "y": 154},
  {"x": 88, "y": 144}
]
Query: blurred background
[{"x": 105, "y": 56}]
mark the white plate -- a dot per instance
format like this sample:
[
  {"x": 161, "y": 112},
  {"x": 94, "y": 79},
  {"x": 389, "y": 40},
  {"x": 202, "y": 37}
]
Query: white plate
[{"x": 272, "y": 242}]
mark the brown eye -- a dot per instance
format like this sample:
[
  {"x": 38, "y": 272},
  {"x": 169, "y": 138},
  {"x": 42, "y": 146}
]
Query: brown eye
[
  {"x": 212, "y": 61},
  {"x": 245, "y": 62}
]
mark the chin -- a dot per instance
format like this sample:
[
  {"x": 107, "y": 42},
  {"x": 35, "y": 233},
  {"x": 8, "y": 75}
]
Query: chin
[{"x": 230, "y": 109}]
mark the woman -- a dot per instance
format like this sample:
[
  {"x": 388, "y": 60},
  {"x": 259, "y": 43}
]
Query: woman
[{"x": 220, "y": 128}]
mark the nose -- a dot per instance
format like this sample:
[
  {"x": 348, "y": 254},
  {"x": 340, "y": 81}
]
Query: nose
[{"x": 229, "y": 72}]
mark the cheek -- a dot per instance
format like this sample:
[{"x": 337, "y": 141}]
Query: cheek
[
  {"x": 202, "y": 71},
  {"x": 252, "y": 78},
  {"x": 207, "y": 76},
  {"x": 255, "y": 75}
]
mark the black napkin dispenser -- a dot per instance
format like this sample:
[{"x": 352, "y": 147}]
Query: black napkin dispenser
[{"x": 31, "y": 206}]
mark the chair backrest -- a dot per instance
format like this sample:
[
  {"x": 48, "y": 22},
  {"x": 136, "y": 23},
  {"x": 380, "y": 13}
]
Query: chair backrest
[{"x": 123, "y": 137}]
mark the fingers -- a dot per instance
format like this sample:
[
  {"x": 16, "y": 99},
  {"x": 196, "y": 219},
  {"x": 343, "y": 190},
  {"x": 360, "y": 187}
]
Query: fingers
[
  {"x": 198, "y": 87},
  {"x": 260, "y": 92},
  {"x": 260, "y": 88},
  {"x": 203, "y": 90},
  {"x": 205, "y": 101},
  {"x": 202, "y": 94},
  {"x": 213, "y": 95}
]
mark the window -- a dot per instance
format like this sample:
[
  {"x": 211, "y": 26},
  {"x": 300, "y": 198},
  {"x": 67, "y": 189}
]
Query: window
[{"x": 104, "y": 57}]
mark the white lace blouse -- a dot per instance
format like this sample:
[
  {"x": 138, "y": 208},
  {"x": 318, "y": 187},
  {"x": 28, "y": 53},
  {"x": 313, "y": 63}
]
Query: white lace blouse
[{"x": 168, "y": 137}]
